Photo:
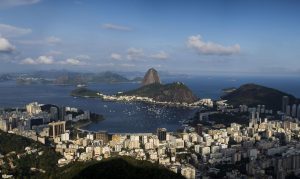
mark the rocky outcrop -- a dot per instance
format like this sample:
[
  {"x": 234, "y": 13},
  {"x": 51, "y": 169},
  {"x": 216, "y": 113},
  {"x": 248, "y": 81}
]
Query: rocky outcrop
[{"x": 151, "y": 77}]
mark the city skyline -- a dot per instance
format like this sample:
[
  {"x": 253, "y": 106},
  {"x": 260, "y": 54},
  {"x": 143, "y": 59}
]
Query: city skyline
[{"x": 192, "y": 37}]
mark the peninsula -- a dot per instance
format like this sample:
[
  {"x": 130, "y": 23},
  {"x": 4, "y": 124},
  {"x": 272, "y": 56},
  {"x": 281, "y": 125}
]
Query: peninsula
[{"x": 152, "y": 91}]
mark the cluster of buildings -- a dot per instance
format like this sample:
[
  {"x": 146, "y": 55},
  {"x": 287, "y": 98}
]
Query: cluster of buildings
[
  {"x": 165, "y": 148},
  {"x": 128, "y": 98},
  {"x": 262, "y": 148},
  {"x": 257, "y": 147},
  {"x": 289, "y": 109},
  {"x": 38, "y": 124}
]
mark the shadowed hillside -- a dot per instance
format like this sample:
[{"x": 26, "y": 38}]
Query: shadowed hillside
[{"x": 252, "y": 95}]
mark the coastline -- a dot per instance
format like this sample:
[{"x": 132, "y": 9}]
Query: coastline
[{"x": 147, "y": 100}]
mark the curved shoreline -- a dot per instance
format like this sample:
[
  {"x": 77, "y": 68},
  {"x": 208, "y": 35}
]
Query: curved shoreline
[{"x": 146, "y": 100}]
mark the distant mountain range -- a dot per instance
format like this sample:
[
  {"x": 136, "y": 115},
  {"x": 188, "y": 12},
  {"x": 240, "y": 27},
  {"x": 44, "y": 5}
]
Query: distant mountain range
[
  {"x": 71, "y": 78},
  {"x": 6, "y": 77},
  {"x": 253, "y": 95},
  {"x": 84, "y": 78}
]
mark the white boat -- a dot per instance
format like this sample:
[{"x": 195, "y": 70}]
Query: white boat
[{"x": 81, "y": 85}]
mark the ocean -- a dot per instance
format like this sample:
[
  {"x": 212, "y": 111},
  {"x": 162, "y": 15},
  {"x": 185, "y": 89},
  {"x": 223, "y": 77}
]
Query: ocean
[{"x": 135, "y": 117}]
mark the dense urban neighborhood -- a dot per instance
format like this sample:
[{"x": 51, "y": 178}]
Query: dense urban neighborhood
[{"x": 267, "y": 144}]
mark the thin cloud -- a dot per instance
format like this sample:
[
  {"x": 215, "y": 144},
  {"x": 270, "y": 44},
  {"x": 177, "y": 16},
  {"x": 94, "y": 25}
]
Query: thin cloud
[
  {"x": 12, "y": 31},
  {"x": 71, "y": 61},
  {"x": 83, "y": 57},
  {"x": 210, "y": 48},
  {"x": 116, "y": 56},
  {"x": 105, "y": 64},
  {"x": 116, "y": 27},
  {"x": 162, "y": 55},
  {"x": 135, "y": 53},
  {"x": 53, "y": 40},
  {"x": 12, "y": 3},
  {"x": 127, "y": 65},
  {"x": 54, "y": 53}
]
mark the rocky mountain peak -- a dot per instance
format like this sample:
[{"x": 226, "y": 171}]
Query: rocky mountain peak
[{"x": 151, "y": 77}]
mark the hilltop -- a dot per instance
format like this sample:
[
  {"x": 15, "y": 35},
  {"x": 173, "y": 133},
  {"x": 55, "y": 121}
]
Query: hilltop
[
  {"x": 253, "y": 94},
  {"x": 173, "y": 92},
  {"x": 151, "y": 77},
  {"x": 84, "y": 78},
  {"x": 120, "y": 167},
  {"x": 152, "y": 88},
  {"x": 68, "y": 78},
  {"x": 45, "y": 157}
]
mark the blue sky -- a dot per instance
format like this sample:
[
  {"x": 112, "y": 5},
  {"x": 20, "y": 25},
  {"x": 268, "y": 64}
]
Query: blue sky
[{"x": 192, "y": 37}]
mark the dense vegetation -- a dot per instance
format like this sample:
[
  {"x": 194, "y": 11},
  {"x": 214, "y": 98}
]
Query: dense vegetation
[
  {"x": 173, "y": 92},
  {"x": 83, "y": 78},
  {"x": 218, "y": 120},
  {"x": 67, "y": 78},
  {"x": 45, "y": 159},
  {"x": 124, "y": 167},
  {"x": 253, "y": 95},
  {"x": 228, "y": 118}
]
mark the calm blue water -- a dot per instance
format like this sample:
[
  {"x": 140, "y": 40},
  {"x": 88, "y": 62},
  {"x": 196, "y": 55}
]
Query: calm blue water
[{"x": 134, "y": 117}]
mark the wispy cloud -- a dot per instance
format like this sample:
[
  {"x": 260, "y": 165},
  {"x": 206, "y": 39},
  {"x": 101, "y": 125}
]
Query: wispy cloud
[
  {"x": 52, "y": 40},
  {"x": 135, "y": 53},
  {"x": 127, "y": 65},
  {"x": 116, "y": 27},
  {"x": 12, "y": 3},
  {"x": 6, "y": 46},
  {"x": 41, "y": 60},
  {"x": 71, "y": 61},
  {"x": 83, "y": 57},
  {"x": 116, "y": 56},
  {"x": 210, "y": 48},
  {"x": 12, "y": 31},
  {"x": 49, "y": 60},
  {"x": 162, "y": 55},
  {"x": 54, "y": 53},
  {"x": 105, "y": 64}
]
